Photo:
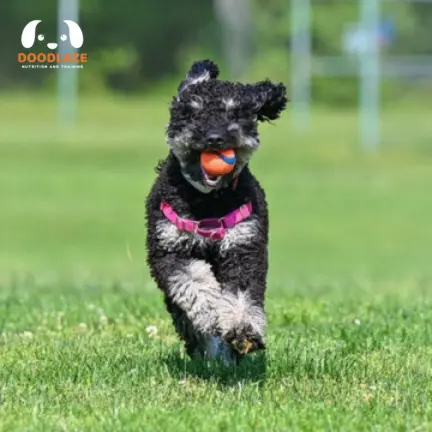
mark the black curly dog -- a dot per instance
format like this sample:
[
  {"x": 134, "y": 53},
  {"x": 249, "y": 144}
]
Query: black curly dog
[{"x": 214, "y": 286}]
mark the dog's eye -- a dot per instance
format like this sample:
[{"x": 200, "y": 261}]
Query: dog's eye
[
  {"x": 41, "y": 37},
  {"x": 63, "y": 37}
]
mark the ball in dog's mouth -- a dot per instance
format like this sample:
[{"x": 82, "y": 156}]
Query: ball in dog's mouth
[{"x": 215, "y": 164}]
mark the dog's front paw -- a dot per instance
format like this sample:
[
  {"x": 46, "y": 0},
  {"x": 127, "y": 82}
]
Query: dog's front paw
[{"x": 244, "y": 340}]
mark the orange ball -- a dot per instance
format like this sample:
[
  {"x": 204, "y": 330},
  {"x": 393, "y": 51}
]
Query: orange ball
[{"x": 217, "y": 163}]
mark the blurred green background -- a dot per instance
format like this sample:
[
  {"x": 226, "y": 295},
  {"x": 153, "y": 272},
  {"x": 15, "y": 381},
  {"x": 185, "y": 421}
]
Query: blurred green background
[{"x": 72, "y": 200}]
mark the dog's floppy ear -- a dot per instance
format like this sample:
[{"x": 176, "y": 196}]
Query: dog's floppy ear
[
  {"x": 269, "y": 100},
  {"x": 199, "y": 72}
]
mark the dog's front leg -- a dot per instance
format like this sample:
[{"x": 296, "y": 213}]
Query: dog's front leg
[
  {"x": 242, "y": 273},
  {"x": 191, "y": 286}
]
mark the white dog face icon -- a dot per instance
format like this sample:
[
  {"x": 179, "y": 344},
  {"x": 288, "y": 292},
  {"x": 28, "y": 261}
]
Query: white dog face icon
[{"x": 76, "y": 37}]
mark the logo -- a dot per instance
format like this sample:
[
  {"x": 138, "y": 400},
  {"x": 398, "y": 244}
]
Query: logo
[{"x": 70, "y": 41}]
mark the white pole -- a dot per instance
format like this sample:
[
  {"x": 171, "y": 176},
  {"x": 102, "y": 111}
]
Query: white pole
[
  {"x": 67, "y": 78},
  {"x": 236, "y": 22},
  {"x": 301, "y": 62},
  {"x": 370, "y": 76}
]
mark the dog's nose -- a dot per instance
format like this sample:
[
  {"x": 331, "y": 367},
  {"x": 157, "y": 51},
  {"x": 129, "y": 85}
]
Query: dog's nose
[{"x": 214, "y": 139}]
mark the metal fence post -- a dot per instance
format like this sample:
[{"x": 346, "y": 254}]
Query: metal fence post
[
  {"x": 370, "y": 76},
  {"x": 301, "y": 62},
  {"x": 67, "y": 78}
]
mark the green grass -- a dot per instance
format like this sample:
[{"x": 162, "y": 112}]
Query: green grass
[{"x": 349, "y": 303}]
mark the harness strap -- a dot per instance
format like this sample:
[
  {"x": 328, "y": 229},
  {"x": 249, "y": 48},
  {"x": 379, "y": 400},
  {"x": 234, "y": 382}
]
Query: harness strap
[{"x": 213, "y": 228}]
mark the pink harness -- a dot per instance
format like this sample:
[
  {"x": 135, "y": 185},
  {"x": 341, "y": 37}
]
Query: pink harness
[{"x": 213, "y": 228}]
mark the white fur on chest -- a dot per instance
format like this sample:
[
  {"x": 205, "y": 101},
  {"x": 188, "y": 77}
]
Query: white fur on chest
[
  {"x": 171, "y": 238},
  {"x": 239, "y": 235}
]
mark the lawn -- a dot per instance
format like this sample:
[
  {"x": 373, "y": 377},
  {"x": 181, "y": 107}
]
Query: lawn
[{"x": 349, "y": 298}]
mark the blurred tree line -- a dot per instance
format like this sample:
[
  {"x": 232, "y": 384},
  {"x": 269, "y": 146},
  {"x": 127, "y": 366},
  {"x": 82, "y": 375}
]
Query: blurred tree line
[{"x": 133, "y": 45}]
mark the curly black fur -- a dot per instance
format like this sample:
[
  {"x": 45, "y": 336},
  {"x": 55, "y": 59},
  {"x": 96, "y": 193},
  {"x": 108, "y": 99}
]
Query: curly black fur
[{"x": 213, "y": 289}]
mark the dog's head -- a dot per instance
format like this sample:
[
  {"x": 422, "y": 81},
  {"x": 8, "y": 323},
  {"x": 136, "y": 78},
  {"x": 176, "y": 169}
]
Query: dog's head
[{"x": 210, "y": 114}]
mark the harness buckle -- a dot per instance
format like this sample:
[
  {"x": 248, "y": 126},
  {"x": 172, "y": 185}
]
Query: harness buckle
[{"x": 209, "y": 224}]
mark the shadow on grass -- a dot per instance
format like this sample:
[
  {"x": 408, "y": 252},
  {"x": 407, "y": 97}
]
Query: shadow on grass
[{"x": 252, "y": 369}]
